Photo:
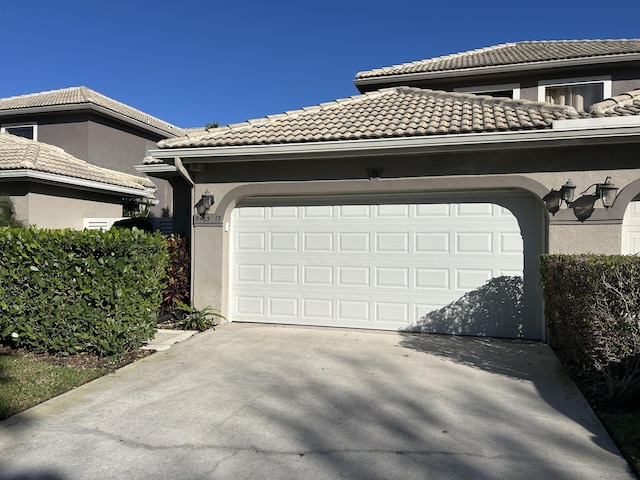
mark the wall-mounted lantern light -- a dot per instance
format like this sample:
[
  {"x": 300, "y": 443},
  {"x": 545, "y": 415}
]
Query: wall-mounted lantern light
[
  {"x": 584, "y": 206},
  {"x": 607, "y": 192},
  {"x": 204, "y": 204},
  {"x": 553, "y": 200}
]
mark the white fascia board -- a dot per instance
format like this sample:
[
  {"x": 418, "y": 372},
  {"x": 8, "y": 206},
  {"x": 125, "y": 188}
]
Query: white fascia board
[
  {"x": 494, "y": 69},
  {"x": 152, "y": 168},
  {"x": 597, "y": 123},
  {"x": 81, "y": 183},
  {"x": 402, "y": 146}
]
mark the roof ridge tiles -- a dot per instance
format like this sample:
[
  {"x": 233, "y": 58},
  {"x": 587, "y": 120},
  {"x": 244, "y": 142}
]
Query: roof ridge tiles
[
  {"x": 448, "y": 56},
  {"x": 504, "y": 54},
  {"x": 82, "y": 95}
]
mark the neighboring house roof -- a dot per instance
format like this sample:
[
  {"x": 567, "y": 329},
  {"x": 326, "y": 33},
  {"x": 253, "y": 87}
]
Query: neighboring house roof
[
  {"x": 21, "y": 157},
  {"x": 84, "y": 98},
  {"x": 618, "y": 106},
  {"x": 387, "y": 113},
  {"x": 518, "y": 53}
]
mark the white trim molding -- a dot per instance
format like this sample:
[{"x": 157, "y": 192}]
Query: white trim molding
[
  {"x": 514, "y": 87},
  {"x": 33, "y": 125},
  {"x": 605, "y": 80}
]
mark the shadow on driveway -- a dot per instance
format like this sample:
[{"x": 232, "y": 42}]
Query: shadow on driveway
[{"x": 263, "y": 401}]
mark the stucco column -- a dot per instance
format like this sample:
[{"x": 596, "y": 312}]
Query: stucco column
[{"x": 208, "y": 274}]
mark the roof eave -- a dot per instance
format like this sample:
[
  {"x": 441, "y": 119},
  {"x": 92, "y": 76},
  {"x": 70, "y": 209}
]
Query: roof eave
[
  {"x": 495, "y": 69},
  {"x": 80, "y": 183},
  {"x": 579, "y": 134},
  {"x": 91, "y": 106}
]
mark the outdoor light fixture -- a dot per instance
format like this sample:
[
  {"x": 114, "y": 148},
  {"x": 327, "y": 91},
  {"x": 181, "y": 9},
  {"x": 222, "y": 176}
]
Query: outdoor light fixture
[
  {"x": 554, "y": 198},
  {"x": 584, "y": 206},
  {"x": 204, "y": 204},
  {"x": 607, "y": 192}
]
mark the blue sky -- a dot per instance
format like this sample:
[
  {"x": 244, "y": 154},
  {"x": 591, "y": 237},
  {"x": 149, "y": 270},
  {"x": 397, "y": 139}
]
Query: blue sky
[{"x": 192, "y": 62}]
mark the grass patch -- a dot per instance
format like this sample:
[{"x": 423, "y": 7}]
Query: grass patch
[
  {"x": 624, "y": 428},
  {"x": 27, "y": 379},
  {"x": 25, "y": 382}
]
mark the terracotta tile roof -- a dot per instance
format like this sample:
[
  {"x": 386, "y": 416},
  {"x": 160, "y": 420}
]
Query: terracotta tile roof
[
  {"x": 387, "y": 113},
  {"x": 17, "y": 153},
  {"x": 511, "y": 54},
  {"x": 75, "y": 96},
  {"x": 618, "y": 106}
]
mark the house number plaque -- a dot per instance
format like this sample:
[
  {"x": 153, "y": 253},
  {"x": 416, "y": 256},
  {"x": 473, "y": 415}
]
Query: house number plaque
[{"x": 207, "y": 220}]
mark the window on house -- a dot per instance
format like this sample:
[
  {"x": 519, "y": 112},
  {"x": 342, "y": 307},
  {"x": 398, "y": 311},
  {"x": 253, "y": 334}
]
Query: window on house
[
  {"x": 26, "y": 130},
  {"x": 508, "y": 90},
  {"x": 577, "y": 93}
]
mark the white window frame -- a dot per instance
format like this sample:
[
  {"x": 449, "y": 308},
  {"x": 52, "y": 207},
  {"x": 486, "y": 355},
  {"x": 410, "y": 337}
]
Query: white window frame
[
  {"x": 34, "y": 125},
  {"x": 514, "y": 87},
  {"x": 605, "y": 80}
]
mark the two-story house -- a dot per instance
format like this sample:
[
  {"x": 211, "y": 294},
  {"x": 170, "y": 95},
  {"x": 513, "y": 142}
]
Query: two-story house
[
  {"x": 90, "y": 127},
  {"x": 424, "y": 202},
  {"x": 575, "y": 73}
]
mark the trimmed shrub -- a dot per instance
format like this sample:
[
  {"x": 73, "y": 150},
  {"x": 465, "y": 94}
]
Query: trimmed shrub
[
  {"x": 8, "y": 213},
  {"x": 592, "y": 305},
  {"x": 66, "y": 291},
  {"x": 178, "y": 275}
]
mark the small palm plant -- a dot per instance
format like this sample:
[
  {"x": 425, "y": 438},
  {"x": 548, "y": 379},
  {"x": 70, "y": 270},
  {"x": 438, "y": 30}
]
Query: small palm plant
[{"x": 191, "y": 318}]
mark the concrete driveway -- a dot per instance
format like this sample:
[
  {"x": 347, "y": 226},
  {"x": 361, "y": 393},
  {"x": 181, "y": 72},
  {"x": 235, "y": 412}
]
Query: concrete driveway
[{"x": 273, "y": 402}]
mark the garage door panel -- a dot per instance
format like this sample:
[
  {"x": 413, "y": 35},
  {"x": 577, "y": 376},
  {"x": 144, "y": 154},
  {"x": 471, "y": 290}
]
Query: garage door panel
[
  {"x": 353, "y": 242},
  {"x": 391, "y": 242},
  {"x": 354, "y": 276},
  {"x": 474, "y": 243},
  {"x": 317, "y": 275},
  {"x": 435, "y": 210},
  {"x": 354, "y": 311},
  {"x": 432, "y": 242},
  {"x": 432, "y": 278},
  {"x": 396, "y": 266},
  {"x": 283, "y": 274}
]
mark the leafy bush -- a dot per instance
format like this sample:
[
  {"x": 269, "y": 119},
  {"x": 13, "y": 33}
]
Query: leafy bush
[
  {"x": 8, "y": 213},
  {"x": 66, "y": 291},
  {"x": 592, "y": 305},
  {"x": 178, "y": 275}
]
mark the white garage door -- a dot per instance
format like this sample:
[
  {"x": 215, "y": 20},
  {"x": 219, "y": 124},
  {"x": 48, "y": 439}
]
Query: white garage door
[
  {"x": 437, "y": 267},
  {"x": 631, "y": 229}
]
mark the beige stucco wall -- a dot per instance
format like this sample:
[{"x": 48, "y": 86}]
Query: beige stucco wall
[
  {"x": 52, "y": 207},
  {"x": 46, "y": 211},
  {"x": 579, "y": 238}
]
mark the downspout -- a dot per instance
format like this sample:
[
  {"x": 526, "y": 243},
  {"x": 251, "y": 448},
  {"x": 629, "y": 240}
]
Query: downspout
[{"x": 185, "y": 174}]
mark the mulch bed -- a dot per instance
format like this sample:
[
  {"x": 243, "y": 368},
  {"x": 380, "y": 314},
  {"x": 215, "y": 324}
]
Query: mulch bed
[{"x": 81, "y": 361}]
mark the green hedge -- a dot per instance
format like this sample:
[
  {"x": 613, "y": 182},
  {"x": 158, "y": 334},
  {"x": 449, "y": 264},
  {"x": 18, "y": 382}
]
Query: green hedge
[
  {"x": 66, "y": 291},
  {"x": 592, "y": 305}
]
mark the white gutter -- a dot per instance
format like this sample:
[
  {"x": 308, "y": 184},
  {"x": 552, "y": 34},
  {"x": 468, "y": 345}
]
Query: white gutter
[
  {"x": 581, "y": 133},
  {"x": 597, "y": 123},
  {"x": 75, "y": 182},
  {"x": 152, "y": 168},
  {"x": 183, "y": 171},
  {"x": 518, "y": 67}
]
